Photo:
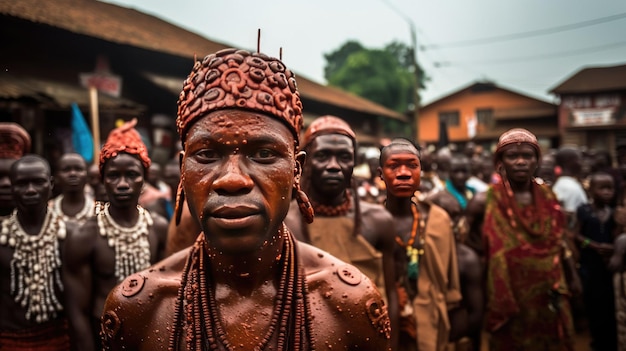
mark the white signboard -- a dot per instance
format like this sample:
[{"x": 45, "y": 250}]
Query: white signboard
[
  {"x": 105, "y": 83},
  {"x": 593, "y": 116}
]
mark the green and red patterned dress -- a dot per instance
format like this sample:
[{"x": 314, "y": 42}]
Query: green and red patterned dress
[{"x": 527, "y": 306}]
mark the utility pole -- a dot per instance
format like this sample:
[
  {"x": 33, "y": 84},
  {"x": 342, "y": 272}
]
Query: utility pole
[{"x": 416, "y": 72}]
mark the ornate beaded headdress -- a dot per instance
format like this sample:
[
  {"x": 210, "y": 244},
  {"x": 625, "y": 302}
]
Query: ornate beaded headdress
[
  {"x": 233, "y": 78},
  {"x": 516, "y": 136},
  {"x": 327, "y": 125},
  {"x": 14, "y": 141},
  {"x": 124, "y": 139}
]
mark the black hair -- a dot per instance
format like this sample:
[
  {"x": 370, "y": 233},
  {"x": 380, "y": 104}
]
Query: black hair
[
  {"x": 396, "y": 142},
  {"x": 29, "y": 159}
]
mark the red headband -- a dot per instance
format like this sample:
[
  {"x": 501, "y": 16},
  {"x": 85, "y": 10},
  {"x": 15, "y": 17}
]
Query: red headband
[
  {"x": 124, "y": 139},
  {"x": 516, "y": 136},
  {"x": 14, "y": 141},
  {"x": 327, "y": 125}
]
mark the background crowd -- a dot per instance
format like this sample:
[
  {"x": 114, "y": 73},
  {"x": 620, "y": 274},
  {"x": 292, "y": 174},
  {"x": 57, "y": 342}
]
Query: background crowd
[{"x": 473, "y": 228}]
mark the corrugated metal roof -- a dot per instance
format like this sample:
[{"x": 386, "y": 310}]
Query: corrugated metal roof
[
  {"x": 594, "y": 79},
  {"x": 128, "y": 26},
  {"x": 56, "y": 94}
]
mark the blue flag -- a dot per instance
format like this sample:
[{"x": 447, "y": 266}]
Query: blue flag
[{"x": 81, "y": 135}]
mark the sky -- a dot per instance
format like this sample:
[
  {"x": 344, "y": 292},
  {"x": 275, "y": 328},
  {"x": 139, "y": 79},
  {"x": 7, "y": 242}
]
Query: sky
[{"x": 528, "y": 46}]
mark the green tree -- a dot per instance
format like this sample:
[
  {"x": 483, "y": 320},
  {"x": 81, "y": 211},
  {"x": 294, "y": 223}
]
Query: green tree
[{"x": 384, "y": 75}]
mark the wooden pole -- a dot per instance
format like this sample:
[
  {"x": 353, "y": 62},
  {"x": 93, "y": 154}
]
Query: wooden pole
[{"x": 95, "y": 123}]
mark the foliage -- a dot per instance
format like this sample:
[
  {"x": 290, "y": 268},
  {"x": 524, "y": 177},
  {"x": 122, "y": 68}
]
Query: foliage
[{"x": 384, "y": 75}]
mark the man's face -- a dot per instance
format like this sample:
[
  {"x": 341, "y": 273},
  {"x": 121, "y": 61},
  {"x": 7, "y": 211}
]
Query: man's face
[
  {"x": 32, "y": 186},
  {"x": 331, "y": 162},
  {"x": 123, "y": 180},
  {"x": 519, "y": 162},
  {"x": 6, "y": 193},
  {"x": 401, "y": 172},
  {"x": 459, "y": 172},
  {"x": 72, "y": 174},
  {"x": 237, "y": 171}
]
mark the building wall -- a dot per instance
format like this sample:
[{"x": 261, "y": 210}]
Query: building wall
[
  {"x": 593, "y": 120},
  {"x": 467, "y": 101}
]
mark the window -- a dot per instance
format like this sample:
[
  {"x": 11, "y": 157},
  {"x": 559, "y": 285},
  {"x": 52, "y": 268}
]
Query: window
[
  {"x": 450, "y": 118},
  {"x": 484, "y": 116}
]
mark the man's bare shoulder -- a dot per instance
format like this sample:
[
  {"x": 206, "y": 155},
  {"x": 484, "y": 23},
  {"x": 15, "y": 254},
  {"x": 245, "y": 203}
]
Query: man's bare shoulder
[
  {"x": 143, "y": 302},
  {"x": 368, "y": 208},
  {"x": 159, "y": 278},
  {"x": 376, "y": 216},
  {"x": 159, "y": 221},
  {"x": 344, "y": 297}
]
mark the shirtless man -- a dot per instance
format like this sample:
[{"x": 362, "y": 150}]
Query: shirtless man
[
  {"x": 120, "y": 240},
  {"x": 74, "y": 204},
  {"x": 354, "y": 231},
  {"x": 245, "y": 283},
  {"x": 31, "y": 242},
  {"x": 426, "y": 261}
]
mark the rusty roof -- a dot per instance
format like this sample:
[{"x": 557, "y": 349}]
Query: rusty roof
[
  {"x": 593, "y": 79},
  {"x": 57, "y": 94},
  {"x": 128, "y": 26}
]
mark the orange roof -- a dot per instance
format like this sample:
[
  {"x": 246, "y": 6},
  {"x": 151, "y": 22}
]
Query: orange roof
[
  {"x": 128, "y": 26},
  {"x": 594, "y": 79}
]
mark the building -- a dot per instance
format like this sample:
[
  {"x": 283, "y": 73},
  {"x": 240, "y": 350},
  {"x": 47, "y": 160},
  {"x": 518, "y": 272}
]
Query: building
[
  {"x": 481, "y": 112},
  {"x": 50, "y": 47},
  {"x": 592, "y": 109}
]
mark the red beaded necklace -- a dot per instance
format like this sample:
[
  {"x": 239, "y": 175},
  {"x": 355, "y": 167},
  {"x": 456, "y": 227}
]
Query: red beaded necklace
[
  {"x": 332, "y": 211},
  {"x": 290, "y": 317},
  {"x": 414, "y": 252}
]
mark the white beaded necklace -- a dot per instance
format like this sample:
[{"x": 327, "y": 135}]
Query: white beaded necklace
[
  {"x": 131, "y": 245},
  {"x": 82, "y": 215},
  {"x": 36, "y": 265}
]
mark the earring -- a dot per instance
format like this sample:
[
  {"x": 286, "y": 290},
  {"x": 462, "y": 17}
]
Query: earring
[
  {"x": 180, "y": 199},
  {"x": 304, "y": 204}
]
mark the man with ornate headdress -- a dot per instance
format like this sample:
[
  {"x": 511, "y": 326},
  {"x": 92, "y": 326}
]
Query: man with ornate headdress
[
  {"x": 529, "y": 267},
  {"x": 14, "y": 143},
  {"x": 31, "y": 242},
  {"x": 120, "y": 240},
  {"x": 246, "y": 283},
  {"x": 354, "y": 231}
]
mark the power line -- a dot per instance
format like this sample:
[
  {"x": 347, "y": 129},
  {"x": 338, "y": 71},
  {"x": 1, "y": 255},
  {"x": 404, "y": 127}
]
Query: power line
[
  {"x": 528, "y": 34},
  {"x": 589, "y": 50}
]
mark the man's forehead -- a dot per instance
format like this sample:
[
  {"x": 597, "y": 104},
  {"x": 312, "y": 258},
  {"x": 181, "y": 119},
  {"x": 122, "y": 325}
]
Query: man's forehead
[
  {"x": 400, "y": 150},
  {"x": 518, "y": 147},
  {"x": 234, "y": 119},
  {"x": 72, "y": 160},
  {"x": 29, "y": 169},
  {"x": 333, "y": 139},
  {"x": 124, "y": 160}
]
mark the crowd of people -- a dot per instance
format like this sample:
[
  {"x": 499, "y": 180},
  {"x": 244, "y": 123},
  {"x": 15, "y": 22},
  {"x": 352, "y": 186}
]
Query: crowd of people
[{"x": 263, "y": 236}]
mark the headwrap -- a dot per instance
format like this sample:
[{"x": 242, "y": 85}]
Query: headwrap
[
  {"x": 327, "y": 125},
  {"x": 14, "y": 141},
  {"x": 238, "y": 79},
  {"x": 124, "y": 139},
  {"x": 516, "y": 136}
]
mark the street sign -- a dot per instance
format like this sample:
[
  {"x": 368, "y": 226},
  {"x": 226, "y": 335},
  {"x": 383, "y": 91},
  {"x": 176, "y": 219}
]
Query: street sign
[{"x": 105, "y": 83}]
